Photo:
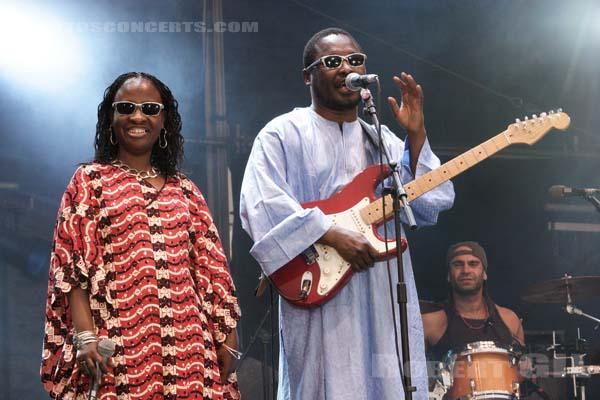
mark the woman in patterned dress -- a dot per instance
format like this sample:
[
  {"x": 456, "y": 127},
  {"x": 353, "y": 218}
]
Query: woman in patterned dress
[{"x": 136, "y": 259}]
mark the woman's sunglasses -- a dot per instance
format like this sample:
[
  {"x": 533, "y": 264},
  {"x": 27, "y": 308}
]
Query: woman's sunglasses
[{"x": 149, "y": 108}]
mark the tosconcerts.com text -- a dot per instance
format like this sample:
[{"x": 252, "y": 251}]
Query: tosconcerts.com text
[{"x": 162, "y": 27}]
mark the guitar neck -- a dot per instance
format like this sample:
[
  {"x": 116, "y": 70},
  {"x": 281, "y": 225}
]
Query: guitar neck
[{"x": 372, "y": 214}]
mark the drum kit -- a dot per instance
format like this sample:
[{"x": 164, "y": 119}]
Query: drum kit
[{"x": 491, "y": 371}]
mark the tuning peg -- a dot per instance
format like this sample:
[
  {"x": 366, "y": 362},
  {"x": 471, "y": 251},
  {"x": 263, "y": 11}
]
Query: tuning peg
[
  {"x": 551, "y": 112},
  {"x": 526, "y": 118},
  {"x": 534, "y": 117},
  {"x": 559, "y": 110},
  {"x": 543, "y": 115},
  {"x": 520, "y": 124}
]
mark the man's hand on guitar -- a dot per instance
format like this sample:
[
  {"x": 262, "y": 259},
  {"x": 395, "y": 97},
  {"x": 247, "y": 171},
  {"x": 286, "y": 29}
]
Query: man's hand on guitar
[{"x": 352, "y": 246}]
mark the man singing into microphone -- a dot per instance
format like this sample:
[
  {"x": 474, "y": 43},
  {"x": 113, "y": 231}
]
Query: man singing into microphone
[{"x": 344, "y": 349}]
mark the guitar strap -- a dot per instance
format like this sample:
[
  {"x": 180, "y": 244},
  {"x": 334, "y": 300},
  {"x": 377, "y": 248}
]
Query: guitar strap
[{"x": 371, "y": 133}]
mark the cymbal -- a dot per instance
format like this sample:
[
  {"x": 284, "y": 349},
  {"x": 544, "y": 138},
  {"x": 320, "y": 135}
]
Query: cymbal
[
  {"x": 427, "y": 306},
  {"x": 555, "y": 291}
]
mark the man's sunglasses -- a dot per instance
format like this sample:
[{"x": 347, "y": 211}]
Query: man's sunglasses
[
  {"x": 334, "y": 61},
  {"x": 149, "y": 108}
]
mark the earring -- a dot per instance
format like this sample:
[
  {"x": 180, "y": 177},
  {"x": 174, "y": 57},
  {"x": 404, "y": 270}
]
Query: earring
[
  {"x": 112, "y": 137},
  {"x": 163, "y": 145}
]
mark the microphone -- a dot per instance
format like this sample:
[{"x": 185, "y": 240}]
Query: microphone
[
  {"x": 355, "y": 82},
  {"x": 106, "y": 348},
  {"x": 558, "y": 191}
]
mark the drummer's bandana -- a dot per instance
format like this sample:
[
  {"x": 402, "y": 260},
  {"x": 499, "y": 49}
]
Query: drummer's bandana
[{"x": 475, "y": 249}]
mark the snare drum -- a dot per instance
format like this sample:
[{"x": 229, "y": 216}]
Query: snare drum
[{"x": 482, "y": 371}]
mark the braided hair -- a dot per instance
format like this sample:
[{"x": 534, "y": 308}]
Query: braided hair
[{"x": 165, "y": 160}]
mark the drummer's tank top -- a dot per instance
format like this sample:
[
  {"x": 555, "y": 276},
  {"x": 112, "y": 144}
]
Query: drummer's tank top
[{"x": 459, "y": 333}]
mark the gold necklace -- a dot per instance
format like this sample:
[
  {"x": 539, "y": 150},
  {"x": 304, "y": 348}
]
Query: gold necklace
[{"x": 153, "y": 173}]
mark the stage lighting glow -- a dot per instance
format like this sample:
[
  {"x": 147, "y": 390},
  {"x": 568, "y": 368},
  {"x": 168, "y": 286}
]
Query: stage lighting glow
[{"x": 36, "y": 50}]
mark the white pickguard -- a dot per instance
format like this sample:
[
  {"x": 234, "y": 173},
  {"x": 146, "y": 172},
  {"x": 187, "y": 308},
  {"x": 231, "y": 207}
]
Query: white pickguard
[{"x": 333, "y": 267}]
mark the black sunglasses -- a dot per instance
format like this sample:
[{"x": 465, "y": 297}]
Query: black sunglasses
[
  {"x": 334, "y": 61},
  {"x": 149, "y": 108}
]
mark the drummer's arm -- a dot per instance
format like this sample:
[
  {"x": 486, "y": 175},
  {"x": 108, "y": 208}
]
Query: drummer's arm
[
  {"x": 434, "y": 326},
  {"x": 513, "y": 323},
  {"x": 520, "y": 334}
]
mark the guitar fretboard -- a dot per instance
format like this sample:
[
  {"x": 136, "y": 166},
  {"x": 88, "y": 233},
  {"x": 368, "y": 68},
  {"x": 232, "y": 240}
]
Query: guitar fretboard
[{"x": 373, "y": 214}]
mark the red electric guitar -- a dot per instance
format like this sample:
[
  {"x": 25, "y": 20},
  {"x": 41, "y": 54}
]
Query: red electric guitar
[{"x": 316, "y": 275}]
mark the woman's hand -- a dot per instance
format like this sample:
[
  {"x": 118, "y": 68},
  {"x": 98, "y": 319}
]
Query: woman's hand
[
  {"x": 227, "y": 354},
  {"x": 88, "y": 357}
]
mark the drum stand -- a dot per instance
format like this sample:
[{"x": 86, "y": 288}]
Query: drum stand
[
  {"x": 577, "y": 373},
  {"x": 554, "y": 292},
  {"x": 573, "y": 371},
  {"x": 571, "y": 309}
]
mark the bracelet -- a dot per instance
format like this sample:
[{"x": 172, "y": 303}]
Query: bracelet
[
  {"x": 235, "y": 353},
  {"x": 84, "y": 337}
]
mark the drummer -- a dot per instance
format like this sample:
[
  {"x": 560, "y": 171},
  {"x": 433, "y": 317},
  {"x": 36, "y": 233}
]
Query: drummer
[{"x": 469, "y": 315}]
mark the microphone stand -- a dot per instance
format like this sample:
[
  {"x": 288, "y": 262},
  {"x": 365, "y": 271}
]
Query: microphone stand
[
  {"x": 399, "y": 201},
  {"x": 594, "y": 200}
]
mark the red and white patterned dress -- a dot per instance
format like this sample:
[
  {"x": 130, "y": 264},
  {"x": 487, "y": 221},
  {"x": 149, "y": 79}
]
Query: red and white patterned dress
[{"x": 158, "y": 282}]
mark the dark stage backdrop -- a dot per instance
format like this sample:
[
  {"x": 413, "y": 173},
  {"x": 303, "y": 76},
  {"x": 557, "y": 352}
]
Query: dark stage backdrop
[{"x": 481, "y": 64}]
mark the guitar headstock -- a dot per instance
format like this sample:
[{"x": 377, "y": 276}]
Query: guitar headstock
[{"x": 530, "y": 130}]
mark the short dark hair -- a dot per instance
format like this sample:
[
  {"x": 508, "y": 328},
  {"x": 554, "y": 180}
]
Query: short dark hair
[
  {"x": 310, "y": 50},
  {"x": 165, "y": 160}
]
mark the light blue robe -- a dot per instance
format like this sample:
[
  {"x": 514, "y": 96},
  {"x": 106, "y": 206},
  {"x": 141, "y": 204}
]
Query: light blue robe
[{"x": 343, "y": 349}]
